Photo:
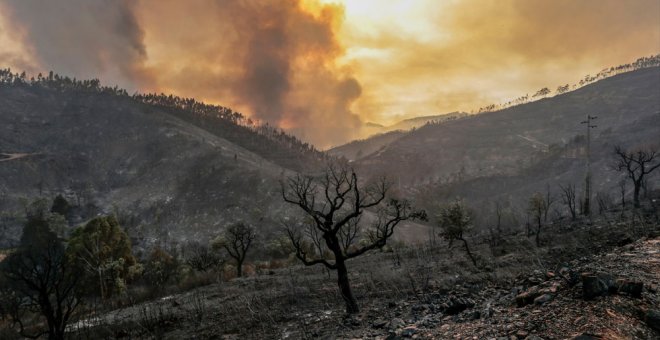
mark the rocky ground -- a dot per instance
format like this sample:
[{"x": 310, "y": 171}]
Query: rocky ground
[
  {"x": 624, "y": 303},
  {"x": 612, "y": 294}
]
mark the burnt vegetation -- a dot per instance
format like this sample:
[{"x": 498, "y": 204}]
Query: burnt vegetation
[{"x": 343, "y": 252}]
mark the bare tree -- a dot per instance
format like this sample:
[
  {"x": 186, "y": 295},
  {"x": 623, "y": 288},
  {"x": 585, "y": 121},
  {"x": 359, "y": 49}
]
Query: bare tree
[
  {"x": 548, "y": 201},
  {"x": 41, "y": 281},
  {"x": 622, "y": 193},
  {"x": 637, "y": 165},
  {"x": 537, "y": 208},
  {"x": 495, "y": 234},
  {"x": 333, "y": 206},
  {"x": 568, "y": 197},
  {"x": 236, "y": 241},
  {"x": 604, "y": 201},
  {"x": 200, "y": 257},
  {"x": 456, "y": 221}
]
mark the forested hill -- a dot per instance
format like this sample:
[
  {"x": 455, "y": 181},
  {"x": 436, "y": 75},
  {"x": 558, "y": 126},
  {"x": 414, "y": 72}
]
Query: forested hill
[
  {"x": 171, "y": 167},
  {"x": 529, "y": 145},
  {"x": 266, "y": 141}
]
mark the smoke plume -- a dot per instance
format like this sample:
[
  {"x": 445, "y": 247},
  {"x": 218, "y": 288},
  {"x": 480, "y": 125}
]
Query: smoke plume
[
  {"x": 86, "y": 39},
  {"x": 295, "y": 63},
  {"x": 274, "y": 59}
]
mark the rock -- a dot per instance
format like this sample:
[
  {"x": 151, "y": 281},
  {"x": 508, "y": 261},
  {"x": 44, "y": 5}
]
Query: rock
[
  {"x": 419, "y": 308},
  {"x": 625, "y": 240},
  {"x": 543, "y": 299},
  {"x": 487, "y": 312},
  {"x": 396, "y": 323},
  {"x": 587, "y": 336},
  {"x": 533, "y": 280},
  {"x": 592, "y": 286},
  {"x": 409, "y": 331},
  {"x": 632, "y": 288},
  {"x": 522, "y": 334},
  {"x": 652, "y": 318},
  {"x": 533, "y": 337},
  {"x": 527, "y": 297},
  {"x": 379, "y": 323},
  {"x": 457, "y": 305}
]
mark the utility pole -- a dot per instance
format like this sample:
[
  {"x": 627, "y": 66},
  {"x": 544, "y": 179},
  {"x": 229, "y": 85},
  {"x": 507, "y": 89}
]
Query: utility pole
[{"x": 587, "y": 180}]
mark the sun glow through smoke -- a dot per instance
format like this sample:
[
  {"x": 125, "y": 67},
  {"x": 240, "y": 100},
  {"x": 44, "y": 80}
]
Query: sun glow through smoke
[{"x": 322, "y": 68}]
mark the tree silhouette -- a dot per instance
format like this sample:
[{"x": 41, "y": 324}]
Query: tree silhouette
[
  {"x": 237, "y": 240},
  {"x": 40, "y": 281},
  {"x": 455, "y": 221},
  {"x": 537, "y": 207},
  {"x": 637, "y": 165},
  {"x": 568, "y": 197},
  {"x": 333, "y": 207}
]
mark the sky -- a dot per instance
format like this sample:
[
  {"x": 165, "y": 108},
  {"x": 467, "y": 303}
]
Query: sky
[{"x": 320, "y": 69}]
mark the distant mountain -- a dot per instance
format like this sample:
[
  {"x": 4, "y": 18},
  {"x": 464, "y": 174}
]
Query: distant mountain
[
  {"x": 518, "y": 150},
  {"x": 365, "y": 147},
  {"x": 417, "y": 122},
  {"x": 383, "y": 135},
  {"x": 170, "y": 167}
]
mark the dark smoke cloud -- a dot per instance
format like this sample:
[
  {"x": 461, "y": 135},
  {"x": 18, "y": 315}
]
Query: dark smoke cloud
[
  {"x": 274, "y": 59},
  {"x": 82, "y": 38}
]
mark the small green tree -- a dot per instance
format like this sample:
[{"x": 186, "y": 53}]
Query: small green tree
[
  {"x": 61, "y": 206},
  {"x": 103, "y": 251},
  {"x": 456, "y": 221},
  {"x": 237, "y": 239},
  {"x": 160, "y": 268}
]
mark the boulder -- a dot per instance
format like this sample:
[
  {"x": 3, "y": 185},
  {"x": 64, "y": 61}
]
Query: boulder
[
  {"x": 457, "y": 305},
  {"x": 632, "y": 288},
  {"x": 409, "y": 331},
  {"x": 527, "y": 297},
  {"x": 593, "y": 286},
  {"x": 396, "y": 323},
  {"x": 543, "y": 299},
  {"x": 652, "y": 319},
  {"x": 379, "y": 323}
]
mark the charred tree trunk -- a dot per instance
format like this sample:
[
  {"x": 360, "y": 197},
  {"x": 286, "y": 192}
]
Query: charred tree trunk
[
  {"x": 239, "y": 268},
  {"x": 638, "y": 186},
  {"x": 342, "y": 275},
  {"x": 345, "y": 288},
  {"x": 467, "y": 250},
  {"x": 538, "y": 232}
]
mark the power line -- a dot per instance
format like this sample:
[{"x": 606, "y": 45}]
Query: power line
[{"x": 587, "y": 179}]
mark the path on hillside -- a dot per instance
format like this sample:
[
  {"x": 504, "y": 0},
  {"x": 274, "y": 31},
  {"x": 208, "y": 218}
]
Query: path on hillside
[{"x": 5, "y": 157}]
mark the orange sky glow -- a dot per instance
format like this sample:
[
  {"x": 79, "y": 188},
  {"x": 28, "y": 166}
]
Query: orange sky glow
[{"x": 322, "y": 68}]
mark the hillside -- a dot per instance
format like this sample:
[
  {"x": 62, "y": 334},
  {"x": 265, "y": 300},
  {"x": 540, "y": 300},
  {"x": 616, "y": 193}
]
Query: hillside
[
  {"x": 365, "y": 147},
  {"x": 168, "y": 172},
  {"x": 515, "y": 151},
  {"x": 416, "y": 122},
  {"x": 384, "y": 135},
  {"x": 430, "y": 292}
]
